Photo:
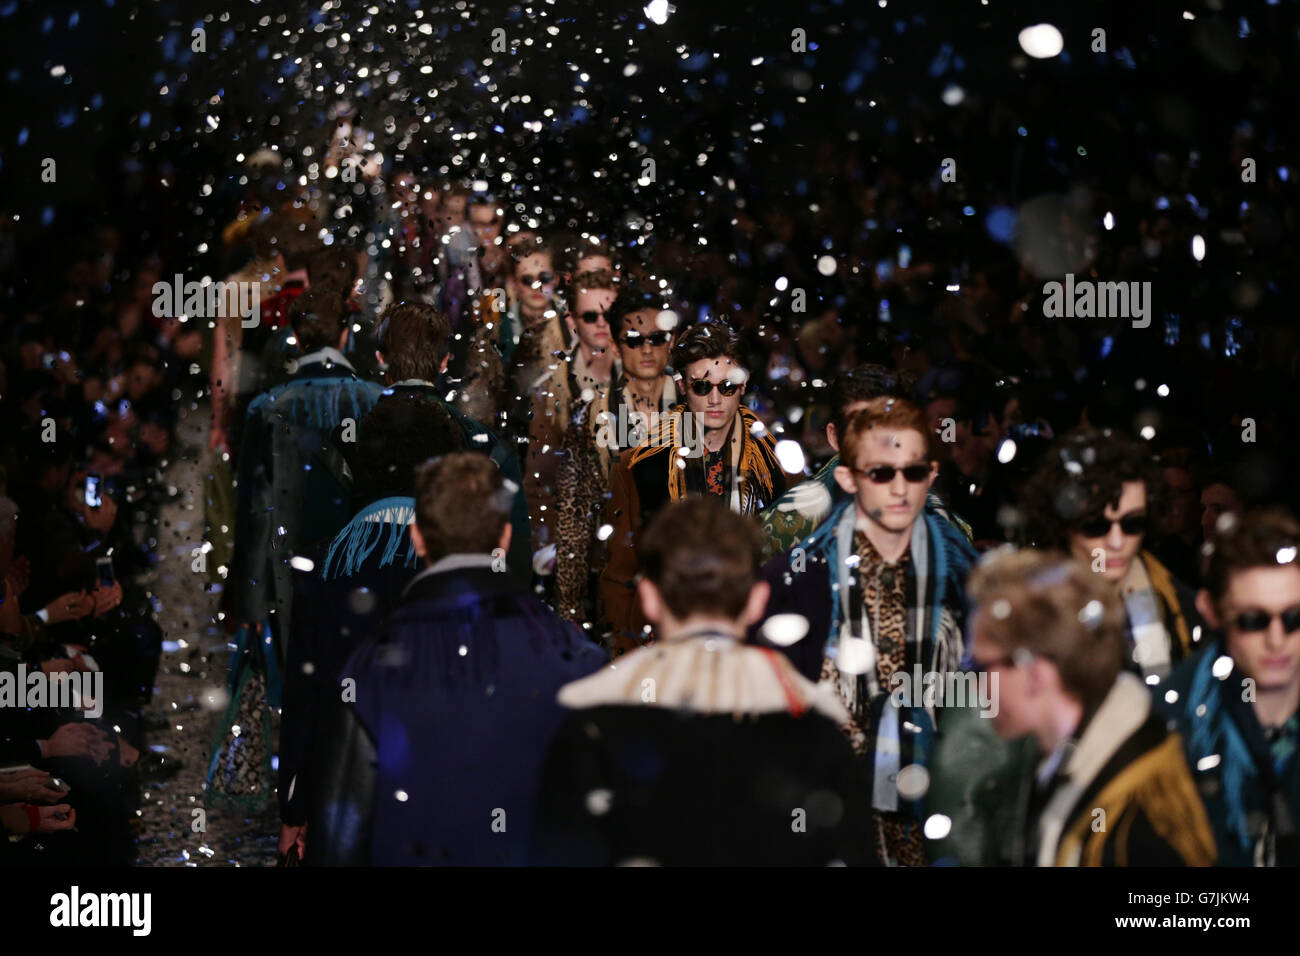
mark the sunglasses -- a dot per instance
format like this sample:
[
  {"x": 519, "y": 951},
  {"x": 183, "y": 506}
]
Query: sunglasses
[
  {"x": 884, "y": 474},
  {"x": 543, "y": 278},
  {"x": 1132, "y": 525},
  {"x": 1253, "y": 621},
  {"x": 591, "y": 316},
  {"x": 634, "y": 340},
  {"x": 726, "y": 388}
]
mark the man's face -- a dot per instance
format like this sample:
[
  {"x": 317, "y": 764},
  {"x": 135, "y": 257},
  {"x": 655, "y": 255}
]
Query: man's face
[
  {"x": 895, "y": 503},
  {"x": 641, "y": 357},
  {"x": 486, "y": 223},
  {"x": 714, "y": 410},
  {"x": 1016, "y": 704},
  {"x": 1216, "y": 501},
  {"x": 1182, "y": 501},
  {"x": 534, "y": 282},
  {"x": 591, "y": 304},
  {"x": 1119, "y": 548},
  {"x": 1270, "y": 656}
]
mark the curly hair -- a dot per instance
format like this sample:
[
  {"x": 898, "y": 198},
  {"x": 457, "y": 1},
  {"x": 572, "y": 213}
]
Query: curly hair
[{"x": 1079, "y": 476}]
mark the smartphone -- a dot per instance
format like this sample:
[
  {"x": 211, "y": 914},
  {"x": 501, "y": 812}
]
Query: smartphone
[
  {"x": 92, "y": 490},
  {"x": 104, "y": 567}
]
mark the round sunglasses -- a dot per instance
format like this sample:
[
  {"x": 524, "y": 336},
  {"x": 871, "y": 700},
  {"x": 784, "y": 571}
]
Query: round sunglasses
[
  {"x": 726, "y": 388},
  {"x": 543, "y": 278},
  {"x": 1131, "y": 524},
  {"x": 634, "y": 340},
  {"x": 884, "y": 474},
  {"x": 1255, "y": 620}
]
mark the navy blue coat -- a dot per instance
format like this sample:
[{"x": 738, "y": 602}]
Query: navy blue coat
[{"x": 436, "y": 761}]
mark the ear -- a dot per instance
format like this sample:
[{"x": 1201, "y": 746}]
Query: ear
[
  {"x": 844, "y": 478},
  {"x": 417, "y": 541},
  {"x": 1205, "y": 605},
  {"x": 445, "y": 359},
  {"x": 755, "y": 604},
  {"x": 507, "y": 531},
  {"x": 652, "y": 602},
  {"x": 343, "y": 337},
  {"x": 934, "y": 473},
  {"x": 379, "y": 357},
  {"x": 568, "y": 320},
  {"x": 833, "y": 436}
]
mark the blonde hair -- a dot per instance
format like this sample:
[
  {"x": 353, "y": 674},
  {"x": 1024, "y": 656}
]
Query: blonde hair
[{"x": 1056, "y": 608}]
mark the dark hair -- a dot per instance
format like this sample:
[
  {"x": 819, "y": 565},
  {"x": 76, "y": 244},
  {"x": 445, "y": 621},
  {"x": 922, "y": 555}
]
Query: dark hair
[
  {"x": 1081, "y": 474},
  {"x": 585, "y": 282},
  {"x": 633, "y": 298},
  {"x": 317, "y": 317},
  {"x": 333, "y": 264},
  {"x": 532, "y": 247},
  {"x": 461, "y": 504},
  {"x": 414, "y": 338},
  {"x": 712, "y": 339},
  {"x": 293, "y": 241},
  {"x": 1267, "y": 538},
  {"x": 862, "y": 384},
  {"x": 398, "y": 435},
  {"x": 702, "y": 557}
]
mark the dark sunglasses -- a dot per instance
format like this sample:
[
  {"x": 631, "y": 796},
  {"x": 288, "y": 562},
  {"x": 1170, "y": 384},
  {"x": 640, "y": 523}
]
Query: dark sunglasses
[
  {"x": 545, "y": 278},
  {"x": 1132, "y": 525},
  {"x": 634, "y": 340},
  {"x": 591, "y": 316},
  {"x": 884, "y": 474},
  {"x": 1252, "y": 621},
  {"x": 702, "y": 386}
]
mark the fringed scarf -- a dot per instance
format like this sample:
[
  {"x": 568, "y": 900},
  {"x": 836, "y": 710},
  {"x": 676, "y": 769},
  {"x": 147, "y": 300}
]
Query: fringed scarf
[
  {"x": 704, "y": 672},
  {"x": 752, "y": 459},
  {"x": 385, "y": 520}
]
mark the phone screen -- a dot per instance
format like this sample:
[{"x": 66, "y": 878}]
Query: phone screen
[
  {"x": 92, "y": 491},
  {"x": 105, "y": 572}
]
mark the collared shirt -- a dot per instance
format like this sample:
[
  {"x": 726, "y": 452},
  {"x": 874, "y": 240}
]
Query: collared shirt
[{"x": 327, "y": 354}]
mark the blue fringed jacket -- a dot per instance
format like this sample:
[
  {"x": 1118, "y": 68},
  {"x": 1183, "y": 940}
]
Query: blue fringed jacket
[{"x": 289, "y": 500}]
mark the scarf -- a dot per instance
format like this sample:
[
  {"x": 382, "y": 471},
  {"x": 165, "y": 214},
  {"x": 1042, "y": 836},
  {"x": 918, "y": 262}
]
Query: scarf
[
  {"x": 1217, "y": 714},
  {"x": 752, "y": 460},
  {"x": 1151, "y": 604},
  {"x": 704, "y": 672}
]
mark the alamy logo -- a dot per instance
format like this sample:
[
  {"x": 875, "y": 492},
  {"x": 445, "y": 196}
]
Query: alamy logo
[
  {"x": 1087, "y": 299},
  {"x": 950, "y": 689},
  {"x": 209, "y": 300},
  {"x": 80, "y": 690},
  {"x": 632, "y": 428},
  {"x": 103, "y": 909}
]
